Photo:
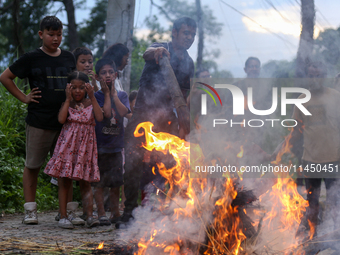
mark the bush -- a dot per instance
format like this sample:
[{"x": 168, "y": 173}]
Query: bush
[
  {"x": 12, "y": 151},
  {"x": 12, "y": 159}
]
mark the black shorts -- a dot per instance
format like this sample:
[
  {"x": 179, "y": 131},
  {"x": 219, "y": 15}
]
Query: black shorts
[{"x": 111, "y": 170}]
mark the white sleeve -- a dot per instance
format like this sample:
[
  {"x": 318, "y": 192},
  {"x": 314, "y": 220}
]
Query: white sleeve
[{"x": 118, "y": 85}]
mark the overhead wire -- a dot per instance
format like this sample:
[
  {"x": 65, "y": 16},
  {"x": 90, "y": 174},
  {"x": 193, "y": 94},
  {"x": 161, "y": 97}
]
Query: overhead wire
[
  {"x": 232, "y": 36},
  {"x": 254, "y": 21},
  {"x": 318, "y": 24},
  {"x": 274, "y": 7},
  {"x": 325, "y": 19}
]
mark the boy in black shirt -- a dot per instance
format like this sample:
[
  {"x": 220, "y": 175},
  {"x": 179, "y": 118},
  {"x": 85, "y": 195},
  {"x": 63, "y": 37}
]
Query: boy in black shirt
[{"x": 46, "y": 68}]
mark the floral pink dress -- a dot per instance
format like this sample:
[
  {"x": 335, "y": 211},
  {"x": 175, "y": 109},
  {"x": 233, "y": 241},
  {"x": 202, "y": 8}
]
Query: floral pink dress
[{"x": 75, "y": 155}]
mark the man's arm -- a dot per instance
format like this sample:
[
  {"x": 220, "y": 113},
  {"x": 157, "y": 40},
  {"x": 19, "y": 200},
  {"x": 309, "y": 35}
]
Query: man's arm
[
  {"x": 7, "y": 78},
  {"x": 156, "y": 54}
]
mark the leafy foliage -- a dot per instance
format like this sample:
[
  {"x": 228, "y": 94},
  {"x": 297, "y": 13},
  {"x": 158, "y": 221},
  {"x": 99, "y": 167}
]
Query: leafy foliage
[
  {"x": 30, "y": 14},
  {"x": 278, "y": 69},
  {"x": 12, "y": 159},
  {"x": 137, "y": 63},
  {"x": 92, "y": 33},
  {"x": 327, "y": 49},
  {"x": 12, "y": 151},
  {"x": 174, "y": 9}
]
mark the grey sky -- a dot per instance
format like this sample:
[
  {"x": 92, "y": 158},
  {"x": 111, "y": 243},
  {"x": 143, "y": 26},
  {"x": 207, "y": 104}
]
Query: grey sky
[{"x": 242, "y": 37}]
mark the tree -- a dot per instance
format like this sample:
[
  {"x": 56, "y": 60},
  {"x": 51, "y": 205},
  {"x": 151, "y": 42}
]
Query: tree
[
  {"x": 327, "y": 48},
  {"x": 278, "y": 69},
  {"x": 20, "y": 25},
  {"x": 92, "y": 33},
  {"x": 14, "y": 16},
  {"x": 137, "y": 61},
  {"x": 119, "y": 27},
  {"x": 174, "y": 9},
  {"x": 306, "y": 37},
  {"x": 200, "y": 35},
  {"x": 73, "y": 41}
]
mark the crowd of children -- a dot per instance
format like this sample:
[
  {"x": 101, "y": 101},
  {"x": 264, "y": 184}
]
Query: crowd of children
[
  {"x": 80, "y": 116},
  {"x": 77, "y": 115}
]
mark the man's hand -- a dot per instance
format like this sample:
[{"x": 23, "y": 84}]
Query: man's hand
[
  {"x": 155, "y": 54},
  {"x": 30, "y": 98},
  {"x": 159, "y": 53}
]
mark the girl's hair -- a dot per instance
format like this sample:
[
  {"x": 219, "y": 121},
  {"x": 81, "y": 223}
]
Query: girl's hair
[
  {"x": 81, "y": 51},
  {"x": 116, "y": 52},
  {"x": 76, "y": 75}
]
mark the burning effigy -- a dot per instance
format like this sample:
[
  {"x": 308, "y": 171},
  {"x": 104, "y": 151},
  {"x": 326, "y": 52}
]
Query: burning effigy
[{"x": 212, "y": 216}]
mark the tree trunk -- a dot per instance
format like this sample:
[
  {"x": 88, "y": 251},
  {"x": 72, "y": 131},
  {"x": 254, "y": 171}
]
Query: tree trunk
[
  {"x": 119, "y": 29},
  {"x": 200, "y": 35},
  {"x": 306, "y": 38},
  {"x": 73, "y": 41},
  {"x": 17, "y": 27}
]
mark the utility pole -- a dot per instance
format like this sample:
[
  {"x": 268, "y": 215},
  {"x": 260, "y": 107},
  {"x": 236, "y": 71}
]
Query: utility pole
[
  {"x": 119, "y": 29},
  {"x": 200, "y": 35},
  {"x": 306, "y": 37}
]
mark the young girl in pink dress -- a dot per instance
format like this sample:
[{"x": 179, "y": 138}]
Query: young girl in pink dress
[{"x": 75, "y": 155}]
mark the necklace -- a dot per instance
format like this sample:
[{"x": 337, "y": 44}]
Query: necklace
[{"x": 79, "y": 106}]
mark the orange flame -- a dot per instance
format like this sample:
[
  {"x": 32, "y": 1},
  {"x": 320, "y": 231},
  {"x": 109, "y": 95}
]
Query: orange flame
[
  {"x": 225, "y": 235},
  {"x": 284, "y": 195},
  {"x": 227, "y": 229},
  {"x": 240, "y": 154},
  {"x": 100, "y": 246},
  {"x": 312, "y": 230},
  {"x": 284, "y": 149}
]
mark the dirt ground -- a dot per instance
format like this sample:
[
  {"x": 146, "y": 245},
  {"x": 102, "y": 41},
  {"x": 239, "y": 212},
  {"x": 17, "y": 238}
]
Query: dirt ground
[{"x": 48, "y": 238}]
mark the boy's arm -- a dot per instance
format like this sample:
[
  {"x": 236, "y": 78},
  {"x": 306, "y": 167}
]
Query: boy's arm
[
  {"x": 7, "y": 77},
  {"x": 63, "y": 113},
  {"x": 129, "y": 115},
  {"x": 107, "y": 100},
  {"x": 98, "y": 113},
  {"x": 94, "y": 85},
  {"x": 93, "y": 81},
  {"x": 121, "y": 108}
]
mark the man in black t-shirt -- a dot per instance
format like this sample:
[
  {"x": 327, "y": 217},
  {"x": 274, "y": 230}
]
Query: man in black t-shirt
[
  {"x": 154, "y": 103},
  {"x": 47, "y": 69}
]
